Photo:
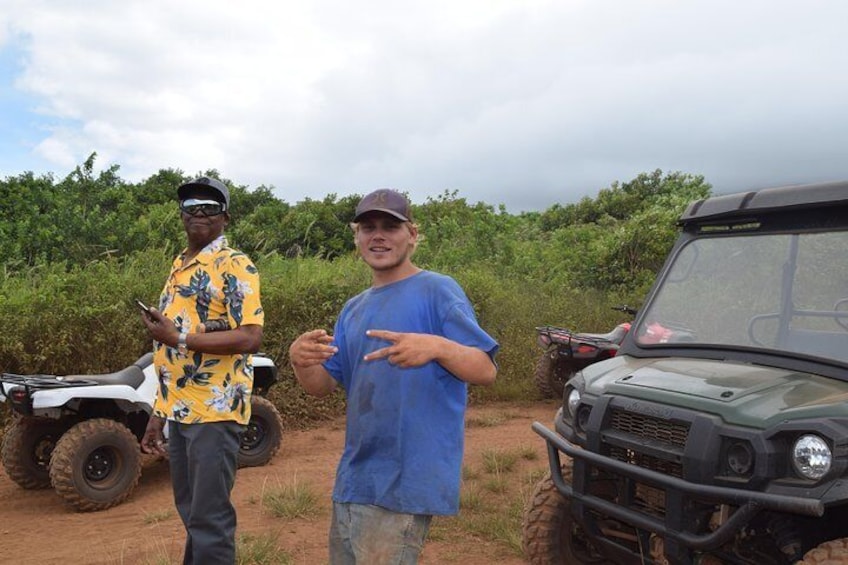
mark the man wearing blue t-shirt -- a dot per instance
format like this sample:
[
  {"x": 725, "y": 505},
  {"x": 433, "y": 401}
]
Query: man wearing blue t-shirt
[{"x": 404, "y": 351}]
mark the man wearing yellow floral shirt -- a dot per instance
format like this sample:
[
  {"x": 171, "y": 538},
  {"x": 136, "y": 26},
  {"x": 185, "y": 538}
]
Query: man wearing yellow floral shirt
[{"x": 205, "y": 379}]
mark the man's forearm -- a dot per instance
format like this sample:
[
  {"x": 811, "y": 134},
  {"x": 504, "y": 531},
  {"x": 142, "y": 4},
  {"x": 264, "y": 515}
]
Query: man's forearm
[
  {"x": 466, "y": 363},
  {"x": 245, "y": 339},
  {"x": 315, "y": 380}
]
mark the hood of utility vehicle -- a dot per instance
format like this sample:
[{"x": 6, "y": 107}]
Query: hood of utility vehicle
[{"x": 741, "y": 393}]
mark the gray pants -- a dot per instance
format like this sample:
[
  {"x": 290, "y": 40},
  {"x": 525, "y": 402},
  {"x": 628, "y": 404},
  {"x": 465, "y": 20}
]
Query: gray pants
[{"x": 203, "y": 461}]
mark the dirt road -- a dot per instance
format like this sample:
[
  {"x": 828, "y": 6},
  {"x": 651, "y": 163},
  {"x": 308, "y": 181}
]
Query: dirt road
[{"x": 36, "y": 527}]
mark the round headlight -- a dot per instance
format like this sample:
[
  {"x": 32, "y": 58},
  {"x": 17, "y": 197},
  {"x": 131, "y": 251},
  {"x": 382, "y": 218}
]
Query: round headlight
[
  {"x": 811, "y": 457},
  {"x": 572, "y": 402}
]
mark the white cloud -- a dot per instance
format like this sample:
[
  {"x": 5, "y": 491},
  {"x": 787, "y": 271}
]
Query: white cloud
[{"x": 508, "y": 101}]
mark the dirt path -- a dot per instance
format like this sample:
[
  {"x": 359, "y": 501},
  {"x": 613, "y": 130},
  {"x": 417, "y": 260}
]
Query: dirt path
[{"x": 36, "y": 527}]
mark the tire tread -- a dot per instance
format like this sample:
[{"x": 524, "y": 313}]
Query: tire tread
[{"x": 62, "y": 463}]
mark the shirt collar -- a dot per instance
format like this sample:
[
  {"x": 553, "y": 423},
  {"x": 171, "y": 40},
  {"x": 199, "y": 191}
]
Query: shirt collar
[{"x": 205, "y": 255}]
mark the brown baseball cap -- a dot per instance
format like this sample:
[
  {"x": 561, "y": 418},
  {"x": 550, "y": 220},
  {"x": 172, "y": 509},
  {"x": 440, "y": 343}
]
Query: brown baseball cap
[{"x": 385, "y": 200}]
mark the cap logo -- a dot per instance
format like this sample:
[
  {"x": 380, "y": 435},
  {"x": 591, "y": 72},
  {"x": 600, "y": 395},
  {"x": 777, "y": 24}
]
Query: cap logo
[
  {"x": 379, "y": 198},
  {"x": 386, "y": 201}
]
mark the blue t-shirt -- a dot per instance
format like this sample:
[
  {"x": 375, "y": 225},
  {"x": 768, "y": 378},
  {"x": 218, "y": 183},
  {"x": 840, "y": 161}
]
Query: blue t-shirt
[{"x": 405, "y": 426}]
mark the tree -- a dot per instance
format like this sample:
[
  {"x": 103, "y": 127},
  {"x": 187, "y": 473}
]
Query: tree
[{"x": 634, "y": 227}]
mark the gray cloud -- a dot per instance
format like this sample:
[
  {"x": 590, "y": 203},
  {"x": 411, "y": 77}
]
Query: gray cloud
[{"x": 525, "y": 103}]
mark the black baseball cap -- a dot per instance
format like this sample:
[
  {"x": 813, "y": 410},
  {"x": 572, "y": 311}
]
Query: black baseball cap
[
  {"x": 385, "y": 200},
  {"x": 208, "y": 184}
]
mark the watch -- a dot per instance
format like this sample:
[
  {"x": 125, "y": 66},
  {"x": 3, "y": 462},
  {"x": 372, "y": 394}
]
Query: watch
[{"x": 182, "y": 346}]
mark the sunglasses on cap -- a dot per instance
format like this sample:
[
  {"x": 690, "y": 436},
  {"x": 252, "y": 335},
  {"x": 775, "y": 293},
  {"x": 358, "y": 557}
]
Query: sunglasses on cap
[{"x": 197, "y": 207}]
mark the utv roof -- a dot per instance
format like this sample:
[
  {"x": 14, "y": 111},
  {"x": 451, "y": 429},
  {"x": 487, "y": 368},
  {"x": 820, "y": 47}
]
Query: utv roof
[{"x": 783, "y": 198}]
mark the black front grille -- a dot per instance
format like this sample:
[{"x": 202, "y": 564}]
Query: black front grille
[
  {"x": 633, "y": 430},
  {"x": 647, "y": 462},
  {"x": 650, "y": 427}
]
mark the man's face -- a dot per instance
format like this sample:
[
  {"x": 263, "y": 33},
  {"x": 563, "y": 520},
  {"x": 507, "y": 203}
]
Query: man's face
[
  {"x": 384, "y": 241},
  {"x": 200, "y": 228}
]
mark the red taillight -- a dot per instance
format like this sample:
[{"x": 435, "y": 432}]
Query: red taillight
[
  {"x": 18, "y": 395},
  {"x": 585, "y": 349}
]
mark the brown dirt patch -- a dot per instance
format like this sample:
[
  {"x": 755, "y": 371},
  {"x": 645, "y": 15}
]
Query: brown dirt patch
[{"x": 36, "y": 527}]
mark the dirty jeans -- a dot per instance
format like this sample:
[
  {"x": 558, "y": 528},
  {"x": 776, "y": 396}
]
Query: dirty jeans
[{"x": 362, "y": 534}]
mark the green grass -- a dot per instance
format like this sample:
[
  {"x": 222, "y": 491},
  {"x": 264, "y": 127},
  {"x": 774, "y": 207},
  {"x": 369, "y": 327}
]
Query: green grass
[
  {"x": 485, "y": 421},
  {"x": 535, "y": 476},
  {"x": 297, "y": 499},
  {"x": 528, "y": 453},
  {"x": 261, "y": 549},
  {"x": 469, "y": 474},
  {"x": 491, "y": 522},
  {"x": 492, "y": 502},
  {"x": 156, "y": 517},
  {"x": 497, "y": 484},
  {"x": 471, "y": 499},
  {"x": 500, "y": 461}
]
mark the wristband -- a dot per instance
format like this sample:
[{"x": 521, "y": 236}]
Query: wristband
[{"x": 182, "y": 346}]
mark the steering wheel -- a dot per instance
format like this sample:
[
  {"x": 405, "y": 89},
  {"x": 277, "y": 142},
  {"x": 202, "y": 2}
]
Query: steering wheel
[
  {"x": 842, "y": 321},
  {"x": 752, "y": 323}
]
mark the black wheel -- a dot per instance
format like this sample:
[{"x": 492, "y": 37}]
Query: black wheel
[
  {"x": 27, "y": 447},
  {"x": 550, "y": 535},
  {"x": 542, "y": 375},
  {"x": 96, "y": 465},
  {"x": 550, "y": 375},
  {"x": 263, "y": 436}
]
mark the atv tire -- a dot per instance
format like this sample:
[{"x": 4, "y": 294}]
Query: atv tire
[
  {"x": 550, "y": 535},
  {"x": 27, "y": 447},
  {"x": 551, "y": 374},
  {"x": 828, "y": 553},
  {"x": 96, "y": 465},
  {"x": 542, "y": 375},
  {"x": 263, "y": 436}
]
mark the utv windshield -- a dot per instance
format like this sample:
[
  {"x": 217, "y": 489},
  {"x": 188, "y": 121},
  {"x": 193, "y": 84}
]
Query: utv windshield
[{"x": 784, "y": 292}]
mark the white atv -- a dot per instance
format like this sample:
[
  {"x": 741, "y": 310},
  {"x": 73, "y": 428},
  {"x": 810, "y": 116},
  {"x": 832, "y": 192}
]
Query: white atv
[{"x": 81, "y": 433}]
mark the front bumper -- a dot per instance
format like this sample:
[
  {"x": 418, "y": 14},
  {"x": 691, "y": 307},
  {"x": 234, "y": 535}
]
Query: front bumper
[{"x": 677, "y": 491}]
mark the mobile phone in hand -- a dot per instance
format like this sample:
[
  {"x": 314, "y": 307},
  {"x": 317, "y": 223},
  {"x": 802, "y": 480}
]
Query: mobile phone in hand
[{"x": 143, "y": 306}]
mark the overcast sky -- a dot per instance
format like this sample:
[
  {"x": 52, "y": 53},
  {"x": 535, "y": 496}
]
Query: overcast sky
[{"x": 525, "y": 103}]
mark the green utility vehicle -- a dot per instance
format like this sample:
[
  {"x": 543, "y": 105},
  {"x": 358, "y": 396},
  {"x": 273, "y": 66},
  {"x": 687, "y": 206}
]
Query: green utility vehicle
[{"x": 719, "y": 432}]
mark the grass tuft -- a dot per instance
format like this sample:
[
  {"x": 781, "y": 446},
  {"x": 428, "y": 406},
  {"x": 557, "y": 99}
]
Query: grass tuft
[
  {"x": 470, "y": 500},
  {"x": 296, "y": 499},
  {"x": 261, "y": 549},
  {"x": 528, "y": 453},
  {"x": 497, "y": 484},
  {"x": 497, "y": 525},
  {"x": 469, "y": 474},
  {"x": 156, "y": 517},
  {"x": 500, "y": 461},
  {"x": 485, "y": 421}
]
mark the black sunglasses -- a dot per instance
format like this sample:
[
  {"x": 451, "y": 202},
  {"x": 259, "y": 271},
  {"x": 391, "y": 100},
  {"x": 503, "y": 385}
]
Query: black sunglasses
[{"x": 196, "y": 207}]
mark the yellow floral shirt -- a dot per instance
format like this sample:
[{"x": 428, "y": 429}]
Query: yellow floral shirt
[{"x": 220, "y": 283}]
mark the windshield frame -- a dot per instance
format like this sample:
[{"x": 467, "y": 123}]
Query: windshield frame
[{"x": 776, "y": 223}]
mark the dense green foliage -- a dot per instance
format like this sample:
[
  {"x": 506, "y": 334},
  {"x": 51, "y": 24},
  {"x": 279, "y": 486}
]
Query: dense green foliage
[{"x": 76, "y": 252}]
